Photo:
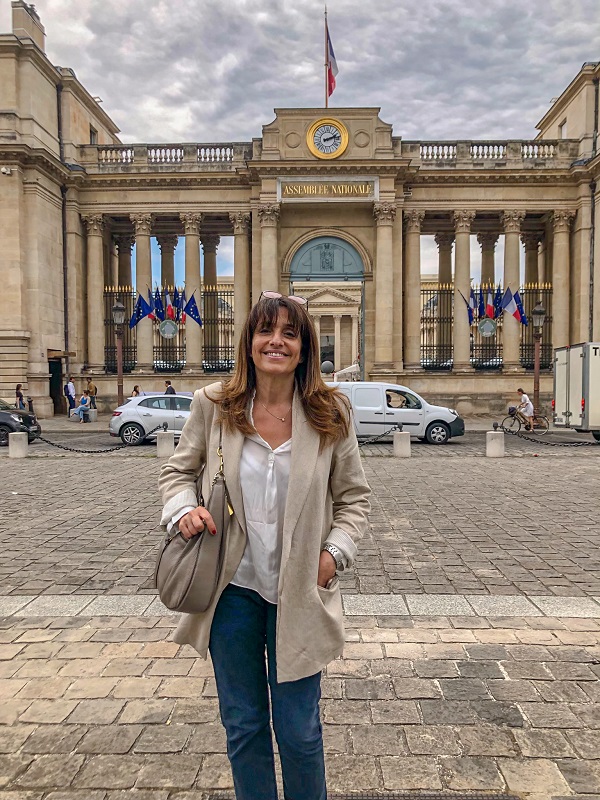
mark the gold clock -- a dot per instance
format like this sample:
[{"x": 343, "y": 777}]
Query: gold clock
[{"x": 327, "y": 138}]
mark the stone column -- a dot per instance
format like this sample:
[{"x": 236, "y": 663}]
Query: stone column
[
  {"x": 125, "y": 244},
  {"x": 511, "y": 328},
  {"x": 531, "y": 242},
  {"x": 143, "y": 281},
  {"x": 384, "y": 214},
  {"x": 541, "y": 263},
  {"x": 269, "y": 223},
  {"x": 355, "y": 343},
  {"x": 167, "y": 244},
  {"x": 114, "y": 263},
  {"x": 193, "y": 332},
  {"x": 444, "y": 242},
  {"x": 398, "y": 268},
  {"x": 487, "y": 242},
  {"x": 461, "y": 345},
  {"x": 210, "y": 244},
  {"x": 95, "y": 291},
  {"x": 412, "y": 289},
  {"x": 241, "y": 271},
  {"x": 337, "y": 341},
  {"x": 561, "y": 223}
]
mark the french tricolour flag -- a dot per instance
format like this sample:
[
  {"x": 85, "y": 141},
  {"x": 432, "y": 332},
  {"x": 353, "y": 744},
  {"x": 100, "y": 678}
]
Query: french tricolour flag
[
  {"x": 332, "y": 67},
  {"x": 509, "y": 304},
  {"x": 489, "y": 306}
]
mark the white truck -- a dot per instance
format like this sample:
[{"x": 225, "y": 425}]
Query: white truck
[{"x": 576, "y": 402}]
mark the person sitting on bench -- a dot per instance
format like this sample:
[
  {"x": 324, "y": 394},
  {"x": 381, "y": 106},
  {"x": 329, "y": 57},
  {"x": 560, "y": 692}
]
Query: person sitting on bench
[{"x": 84, "y": 405}]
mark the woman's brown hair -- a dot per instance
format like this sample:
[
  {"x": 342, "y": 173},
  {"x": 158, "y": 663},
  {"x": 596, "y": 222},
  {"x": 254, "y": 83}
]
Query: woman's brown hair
[{"x": 326, "y": 409}]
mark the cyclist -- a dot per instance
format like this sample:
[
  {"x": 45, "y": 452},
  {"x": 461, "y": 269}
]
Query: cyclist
[{"x": 526, "y": 408}]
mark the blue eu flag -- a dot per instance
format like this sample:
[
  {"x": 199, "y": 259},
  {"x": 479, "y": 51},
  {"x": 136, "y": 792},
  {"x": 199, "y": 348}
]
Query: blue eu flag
[{"x": 192, "y": 310}]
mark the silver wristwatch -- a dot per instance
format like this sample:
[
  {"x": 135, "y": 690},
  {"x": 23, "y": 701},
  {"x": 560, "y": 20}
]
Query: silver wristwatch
[{"x": 337, "y": 555}]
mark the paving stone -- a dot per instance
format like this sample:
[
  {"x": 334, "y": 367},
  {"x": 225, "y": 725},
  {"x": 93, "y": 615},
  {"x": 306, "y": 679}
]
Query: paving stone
[
  {"x": 182, "y": 687},
  {"x": 586, "y": 743},
  {"x": 377, "y": 740},
  {"x": 536, "y": 775},
  {"x": 464, "y": 689},
  {"x": 498, "y": 713},
  {"x": 109, "y": 772},
  {"x": 97, "y": 712},
  {"x": 215, "y": 773},
  {"x": 413, "y": 772},
  {"x": 108, "y": 740},
  {"x": 446, "y": 712},
  {"x": 515, "y": 691},
  {"x": 415, "y": 688},
  {"x": 210, "y": 738},
  {"x": 12, "y": 766},
  {"x": 48, "y": 711},
  {"x": 487, "y": 740},
  {"x": 147, "y": 711},
  {"x": 479, "y": 669},
  {"x": 51, "y": 771},
  {"x": 543, "y": 744},
  {"x": 169, "y": 772},
  {"x": 90, "y": 688},
  {"x": 555, "y": 715},
  {"x": 393, "y": 667},
  {"x": 449, "y": 605},
  {"x": 13, "y": 738},
  {"x": 571, "y": 672},
  {"x": 567, "y": 607},
  {"x": 130, "y": 688},
  {"x": 380, "y": 605},
  {"x": 579, "y": 776},
  {"x": 163, "y": 739},
  {"x": 436, "y": 669},
  {"x": 432, "y": 740},
  {"x": 335, "y": 740},
  {"x": 471, "y": 773},
  {"x": 345, "y": 712},
  {"x": 369, "y": 689},
  {"x": 128, "y": 667},
  {"x": 195, "y": 711},
  {"x": 588, "y": 715},
  {"x": 394, "y": 712},
  {"x": 54, "y": 739},
  {"x": 561, "y": 692},
  {"x": 507, "y": 605}
]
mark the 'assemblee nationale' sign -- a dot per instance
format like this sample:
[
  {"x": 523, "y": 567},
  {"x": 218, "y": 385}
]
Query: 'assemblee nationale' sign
[{"x": 327, "y": 189}]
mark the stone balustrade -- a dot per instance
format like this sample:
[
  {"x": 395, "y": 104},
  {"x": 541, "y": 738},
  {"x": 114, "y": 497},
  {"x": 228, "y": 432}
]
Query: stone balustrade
[{"x": 140, "y": 157}]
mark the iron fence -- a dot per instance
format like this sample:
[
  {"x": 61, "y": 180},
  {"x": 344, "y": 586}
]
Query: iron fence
[
  {"x": 437, "y": 317},
  {"x": 216, "y": 311}
]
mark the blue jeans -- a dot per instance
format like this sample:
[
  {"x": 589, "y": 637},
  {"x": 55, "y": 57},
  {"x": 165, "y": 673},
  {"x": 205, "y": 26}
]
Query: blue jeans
[{"x": 243, "y": 626}]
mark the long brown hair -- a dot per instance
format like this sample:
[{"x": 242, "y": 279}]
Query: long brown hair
[{"x": 326, "y": 409}]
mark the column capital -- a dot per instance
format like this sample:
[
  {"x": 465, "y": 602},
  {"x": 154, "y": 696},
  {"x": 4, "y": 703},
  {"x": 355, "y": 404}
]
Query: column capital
[
  {"x": 94, "y": 224},
  {"x": 531, "y": 240},
  {"x": 210, "y": 242},
  {"x": 337, "y": 316},
  {"x": 462, "y": 220},
  {"x": 384, "y": 213},
  {"x": 142, "y": 223},
  {"x": 488, "y": 241},
  {"x": 414, "y": 217},
  {"x": 444, "y": 241},
  {"x": 191, "y": 222},
  {"x": 561, "y": 220},
  {"x": 167, "y": 242},
  {"x": 269, "y": 215},
  {"x": 511, "y": 220},
  {"x": 240, "y": 221},
  {"x": 124, "y": 242}
]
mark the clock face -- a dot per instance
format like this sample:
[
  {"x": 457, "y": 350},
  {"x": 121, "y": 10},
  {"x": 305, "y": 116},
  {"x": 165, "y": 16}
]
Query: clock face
[{"x": 327, "y": 138}]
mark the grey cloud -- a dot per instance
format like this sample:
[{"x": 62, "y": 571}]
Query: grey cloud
[{"x": 203, "y": 70}]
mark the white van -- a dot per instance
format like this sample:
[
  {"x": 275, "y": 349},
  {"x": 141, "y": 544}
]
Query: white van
[{"x": 378, "y": 406}]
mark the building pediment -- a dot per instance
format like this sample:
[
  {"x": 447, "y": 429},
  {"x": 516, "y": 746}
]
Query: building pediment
[{"x": 329, "y": 295}]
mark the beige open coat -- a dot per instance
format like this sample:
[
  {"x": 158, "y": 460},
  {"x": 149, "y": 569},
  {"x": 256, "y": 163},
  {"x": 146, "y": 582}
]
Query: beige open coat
[{"x": 327, "y": 490}]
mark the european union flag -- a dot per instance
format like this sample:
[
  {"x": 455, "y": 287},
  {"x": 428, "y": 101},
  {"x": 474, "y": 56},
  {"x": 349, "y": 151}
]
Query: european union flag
[
  {"x": 176, "y": 303},
  {"x": 481, "y": 309},
  {"x": 498, "y": 303},
  {"x": 192, "y": 310},
  {"x": 159, "y": 308},
  {"x": 140, "y": 310},
  {"x": 519, "y": 303}
]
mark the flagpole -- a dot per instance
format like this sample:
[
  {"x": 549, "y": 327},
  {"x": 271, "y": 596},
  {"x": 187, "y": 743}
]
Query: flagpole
[{"x": 326, "y": 63}]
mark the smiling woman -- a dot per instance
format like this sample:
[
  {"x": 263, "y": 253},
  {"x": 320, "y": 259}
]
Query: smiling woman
[{"x": 300, "y": 503}]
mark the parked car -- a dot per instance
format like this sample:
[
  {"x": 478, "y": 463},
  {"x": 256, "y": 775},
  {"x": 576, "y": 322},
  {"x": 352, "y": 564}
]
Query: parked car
[
  {"x": 138, "y": 416},
  {"x": 378, "y": 406},
  {"x": 14, "y": 420}
]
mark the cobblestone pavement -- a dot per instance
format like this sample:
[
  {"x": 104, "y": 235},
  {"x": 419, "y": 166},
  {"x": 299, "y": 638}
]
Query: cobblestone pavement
[{"x": 477, "y": 667}]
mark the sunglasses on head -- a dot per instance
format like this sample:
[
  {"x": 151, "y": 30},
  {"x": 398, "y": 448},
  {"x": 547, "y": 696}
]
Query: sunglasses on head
[{"x": 302, "y": 301}]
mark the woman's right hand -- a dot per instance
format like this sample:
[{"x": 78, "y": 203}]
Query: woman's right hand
[{"x": 194, "y": 522}]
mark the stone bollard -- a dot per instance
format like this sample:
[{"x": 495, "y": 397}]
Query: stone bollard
[
  {"x": 18, "y": 445},
  {"x": 494, "y": 444},
  {"x": 93, "y": 412},
  {"x": 401, "y": 444},
  {"x": 165, "y": 444}
]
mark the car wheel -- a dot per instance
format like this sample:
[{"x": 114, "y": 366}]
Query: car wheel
[
  {"x": 132, "y": 434},
  {"x": 4, "y": 431},
  {"x": 596, "y": 435},
  {"x": 437, "y": 433}
]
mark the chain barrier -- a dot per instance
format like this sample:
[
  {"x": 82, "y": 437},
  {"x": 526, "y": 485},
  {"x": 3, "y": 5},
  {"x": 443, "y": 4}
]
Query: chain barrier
[
  {"x": 380, "y": 436},
  {"x": 92, "y": 452},
  {"x": 545, "y": 441}
]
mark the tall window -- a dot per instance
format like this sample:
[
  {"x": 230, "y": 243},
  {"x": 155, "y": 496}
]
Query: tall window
[
  {"x": 93, "y": 135},
  {"x": 562, "y": 129}
]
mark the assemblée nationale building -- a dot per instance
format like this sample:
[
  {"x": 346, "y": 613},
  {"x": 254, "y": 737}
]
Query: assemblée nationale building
[{"x": 327, "y": 203}]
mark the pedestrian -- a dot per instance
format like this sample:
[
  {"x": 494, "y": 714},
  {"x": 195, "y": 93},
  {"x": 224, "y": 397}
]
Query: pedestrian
[
  {"x": 19, "y": 399},
  {"x": 526, "y": 408},
  {"x": 169, "y": 388},
  {"x": 84, "y": 405},
  {"x": 93, "y": 392},
  {"x": 282, "y": 426},
  {"x": 137, "y": 392},
  {"x": 69, "y": 392}
]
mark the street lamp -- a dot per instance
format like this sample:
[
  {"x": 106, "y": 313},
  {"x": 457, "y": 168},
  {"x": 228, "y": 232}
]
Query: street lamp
[
  {"x": 539, "y": 315},
  {"x": 118, "y": 315}
]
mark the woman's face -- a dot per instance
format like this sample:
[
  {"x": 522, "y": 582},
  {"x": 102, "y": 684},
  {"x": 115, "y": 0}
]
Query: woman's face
[{"x": 276, "y": 348}]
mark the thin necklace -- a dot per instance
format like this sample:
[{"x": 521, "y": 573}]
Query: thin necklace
[{"x": 281, "y": 419}]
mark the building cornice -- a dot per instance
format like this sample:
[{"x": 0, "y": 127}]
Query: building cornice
[
  {"x": 583, "y": 77},
  {"x": 70, "y": 82}
]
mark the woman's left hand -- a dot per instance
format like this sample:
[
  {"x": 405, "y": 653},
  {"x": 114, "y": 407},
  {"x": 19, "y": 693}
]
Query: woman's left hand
[{"x": 327, "y": 567}]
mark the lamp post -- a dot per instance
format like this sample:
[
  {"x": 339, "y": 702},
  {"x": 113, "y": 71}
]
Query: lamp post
[
  {"x": 539, "y": 315},
  {"x": 118, "y": 315}
]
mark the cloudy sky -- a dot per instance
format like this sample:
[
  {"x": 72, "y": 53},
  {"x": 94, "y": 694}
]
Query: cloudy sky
[{"x": 213, "y": 70}]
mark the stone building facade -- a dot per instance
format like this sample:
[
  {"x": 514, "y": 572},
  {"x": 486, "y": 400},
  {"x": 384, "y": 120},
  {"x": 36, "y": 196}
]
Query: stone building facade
[{"x": 329, "y": 203}]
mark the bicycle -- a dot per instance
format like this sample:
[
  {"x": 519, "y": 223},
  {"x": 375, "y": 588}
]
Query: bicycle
[{"x": 516, "y": 420}]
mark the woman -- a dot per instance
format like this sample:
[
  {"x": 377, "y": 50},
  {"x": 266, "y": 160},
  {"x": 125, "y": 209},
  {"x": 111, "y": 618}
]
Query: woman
[
  {"x": 84, "y": 405},
  {"x": 19, "y": 399},
  {"x": 300, "y": 503},
  {"x": 136, "y": 391}
]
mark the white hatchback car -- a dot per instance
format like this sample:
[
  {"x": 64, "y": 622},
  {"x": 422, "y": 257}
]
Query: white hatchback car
[{"x": 137, "y": 418}]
